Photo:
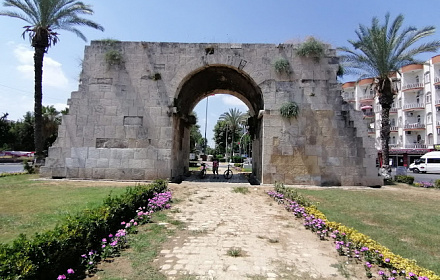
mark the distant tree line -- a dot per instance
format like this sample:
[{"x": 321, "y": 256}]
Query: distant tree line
[{"x": 19, "y": 135}]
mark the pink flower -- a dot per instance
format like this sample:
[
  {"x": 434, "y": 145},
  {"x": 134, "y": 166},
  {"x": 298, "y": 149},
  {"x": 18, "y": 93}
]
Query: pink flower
[
  {"x": 61, "y": 277},
  {"x": 70, "y": 271}
]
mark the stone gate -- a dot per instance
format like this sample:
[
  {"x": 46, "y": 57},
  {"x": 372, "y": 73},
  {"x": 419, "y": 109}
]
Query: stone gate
[{"x": 130, "y": 118}]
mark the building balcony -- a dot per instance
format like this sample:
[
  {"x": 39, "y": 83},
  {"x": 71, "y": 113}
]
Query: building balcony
[
  {"x": 393, "y": 146},
  {"x": 437, "y": 103},
  {"x": 393, "y": 110},
  {"x": 414, "y": 126},
  {"x": 415, "y": 146},
  {"x": 438, "y": 124},
  {"x": 368, "y": 115},
  {"x": 394, "y": 129},
  {"x": 413, "y": 106},
  {"x": 412, "y": 86},
  {"x": 367, "y": 97},
  {"x": 371, "y": 131},
  {"x": 436, "y": 80}
]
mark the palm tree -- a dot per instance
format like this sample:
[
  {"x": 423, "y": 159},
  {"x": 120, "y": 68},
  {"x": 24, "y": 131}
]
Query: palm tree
[
  {"x": 44, "y": 17},
  {"x": 380, "y": 50},
  {"x": 234, "y": 118}
]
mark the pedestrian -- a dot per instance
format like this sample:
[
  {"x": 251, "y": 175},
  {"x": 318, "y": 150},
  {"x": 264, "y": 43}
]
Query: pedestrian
[{"x": 215, "y": 167}]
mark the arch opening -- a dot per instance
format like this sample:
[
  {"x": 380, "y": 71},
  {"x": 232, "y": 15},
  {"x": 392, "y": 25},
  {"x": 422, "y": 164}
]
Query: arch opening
[{"x": 200, "y": 84}]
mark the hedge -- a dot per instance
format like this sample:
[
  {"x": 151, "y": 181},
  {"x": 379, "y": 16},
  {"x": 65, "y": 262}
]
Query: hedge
[{"x": 59, "y": 249}]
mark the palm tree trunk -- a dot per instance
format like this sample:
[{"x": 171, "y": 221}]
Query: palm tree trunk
[
  {"x": 386, "y": 99},
  {"x": 38, "y": 98},
  {"x": 385, "y": 137}
]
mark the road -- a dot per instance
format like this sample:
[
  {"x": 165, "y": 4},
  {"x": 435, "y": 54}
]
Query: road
[
  {"x": 418, "y": 177},
  {"x": 10, "y": 167}
]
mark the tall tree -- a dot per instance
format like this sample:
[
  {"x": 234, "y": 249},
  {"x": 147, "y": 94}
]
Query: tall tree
[
  {"x": 380, "y": 50},
  {"x": 6, "y": 138},
  {"x": 51, "y": 121},
  {"x": 45, "y": 17},
  {"x": 234, "y": 119},
  {"x": 195, "y": 137}
]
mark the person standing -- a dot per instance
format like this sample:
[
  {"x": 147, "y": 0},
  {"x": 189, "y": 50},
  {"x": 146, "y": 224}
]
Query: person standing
[{"x": 215, "y": 167}]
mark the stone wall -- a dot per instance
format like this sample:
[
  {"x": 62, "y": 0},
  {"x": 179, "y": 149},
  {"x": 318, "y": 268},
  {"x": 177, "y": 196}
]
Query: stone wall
[{"x": 129, "y": 117}]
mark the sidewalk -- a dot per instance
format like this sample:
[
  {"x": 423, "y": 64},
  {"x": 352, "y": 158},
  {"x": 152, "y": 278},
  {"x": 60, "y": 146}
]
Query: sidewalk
[{"x": 220, "y": 223}]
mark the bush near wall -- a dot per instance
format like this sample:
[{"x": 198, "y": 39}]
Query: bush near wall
[
  {"x": 404, "y": 179},
  {"x": 58, "y": 249}
]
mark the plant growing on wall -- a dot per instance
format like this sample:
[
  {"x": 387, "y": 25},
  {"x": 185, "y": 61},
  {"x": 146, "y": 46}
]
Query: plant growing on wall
[
  {"x": 113, "y": 57},
  {"x": 311, "y": 48},
  {"x": 289, "y": 110},
  {"x": 282, "y": 65}
]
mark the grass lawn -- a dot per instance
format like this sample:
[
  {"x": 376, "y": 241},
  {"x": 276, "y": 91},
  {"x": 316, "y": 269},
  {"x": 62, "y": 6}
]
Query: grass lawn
[
  {"x": 403, "y": 218},
  {"x": 29, "y": 206}
]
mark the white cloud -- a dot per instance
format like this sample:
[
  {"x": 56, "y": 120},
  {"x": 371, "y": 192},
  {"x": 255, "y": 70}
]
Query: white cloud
[
  {"x": 233, "y": 101},
  {"x": 53, "y": 75}
]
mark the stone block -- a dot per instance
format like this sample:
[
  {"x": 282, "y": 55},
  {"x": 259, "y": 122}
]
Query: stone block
[
  {"x": 45, "y": 172},
  {"x": 104, "y": 152},
  {"x": 98, "y": 173},
  {"x": 55, "y": 152},
  {"x": 102, "y": 163},
  {"x": 115, "y": 163},
  {"x": 58, "y": 172},
  {"x": 91, "y": 163},
  {"x": 127, "y": 153},
  {"x": 72, "y": 172}
]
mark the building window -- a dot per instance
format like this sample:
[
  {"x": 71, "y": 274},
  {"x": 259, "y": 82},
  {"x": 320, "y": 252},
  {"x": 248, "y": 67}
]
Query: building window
[
  {"x": 428, "y": 97},
  {"x": 430, "y": 139},
  {"x": 417, "y": 79},
  {"x": 418, "y": 118},
  {"x": 429, "y": 118},
  {"x": 427, "y": 78}
]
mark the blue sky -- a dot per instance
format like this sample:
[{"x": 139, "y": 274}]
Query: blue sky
[{"x": 226, "y": 21}]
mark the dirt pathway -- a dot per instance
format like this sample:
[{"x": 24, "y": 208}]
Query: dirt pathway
[{"x": 231, "y": 235}]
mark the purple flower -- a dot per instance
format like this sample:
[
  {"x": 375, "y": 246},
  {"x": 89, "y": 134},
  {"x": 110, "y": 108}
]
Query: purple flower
[
  {"x": 61, "y": 277},
  {"x": 369, "y": 265},
  {"x": 83, "y": 256},
  {"x": 70, "y": 271},
  {"x": 387, "y": 260},
  {"x": 104, "y": 240},
  {"x": 380, "y": 272}
]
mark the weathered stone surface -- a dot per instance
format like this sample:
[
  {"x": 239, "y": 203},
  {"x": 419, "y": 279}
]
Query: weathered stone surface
[{"x": 132, "y": 121}]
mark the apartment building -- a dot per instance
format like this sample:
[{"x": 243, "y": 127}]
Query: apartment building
[{"x": 414, "y": 116}]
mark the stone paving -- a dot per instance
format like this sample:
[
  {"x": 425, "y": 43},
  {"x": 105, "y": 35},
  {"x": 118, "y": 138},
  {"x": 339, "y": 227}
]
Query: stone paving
[{"x": 220, "y": 223}]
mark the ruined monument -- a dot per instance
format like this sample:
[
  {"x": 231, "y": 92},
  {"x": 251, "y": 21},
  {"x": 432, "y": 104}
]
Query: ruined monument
[{"x": 130, "y": 118}]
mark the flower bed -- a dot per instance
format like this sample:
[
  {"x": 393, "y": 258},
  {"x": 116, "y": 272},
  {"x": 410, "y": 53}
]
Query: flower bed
[
  {"x": 354, "y": 245},
  {"x": 60, "y": 249}
]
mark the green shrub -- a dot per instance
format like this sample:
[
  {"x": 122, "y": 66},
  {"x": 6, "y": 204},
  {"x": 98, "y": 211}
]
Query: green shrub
[
  {"x": 311, "y": 48},
  {"x": 29, "y": 168},
  {"x": 437, "y": 183},
  {"x": 237, "y": 159},
  {"x": 289, "y": 109},
  {"x": 404, "y": 179},
  {"x": 113, "y": 57},
  {"x": 59, "y": 249},
  {"x": 282, "y": 66}
]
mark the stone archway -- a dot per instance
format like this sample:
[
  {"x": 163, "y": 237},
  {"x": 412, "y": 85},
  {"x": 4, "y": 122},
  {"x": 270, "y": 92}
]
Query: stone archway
[
  {"x": 129, "y": 120},
  {"x": 199, "y": 84}
]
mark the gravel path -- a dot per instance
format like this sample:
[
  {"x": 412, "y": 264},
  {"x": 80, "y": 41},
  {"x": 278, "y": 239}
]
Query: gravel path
[{"x": 269, "y": 241}]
